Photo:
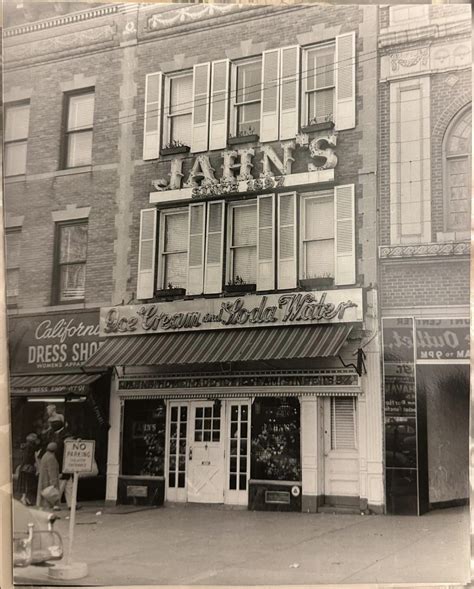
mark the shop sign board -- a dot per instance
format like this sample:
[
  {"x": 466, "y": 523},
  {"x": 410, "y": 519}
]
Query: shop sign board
[
  {"x": 78, "y": 456},
  {"x": 53, "y": 342},
  {"x": 295, "y": 308},
  {"x": 442, "y": 339}
]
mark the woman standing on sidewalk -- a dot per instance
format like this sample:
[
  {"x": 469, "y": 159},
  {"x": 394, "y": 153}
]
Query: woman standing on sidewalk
[
  {"x": 48, "y": 476},
  {"x": 27, "y": 476}
]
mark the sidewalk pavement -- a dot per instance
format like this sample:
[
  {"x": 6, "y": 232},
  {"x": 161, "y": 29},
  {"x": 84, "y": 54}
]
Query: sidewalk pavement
[{"x": 205, "y": 545}]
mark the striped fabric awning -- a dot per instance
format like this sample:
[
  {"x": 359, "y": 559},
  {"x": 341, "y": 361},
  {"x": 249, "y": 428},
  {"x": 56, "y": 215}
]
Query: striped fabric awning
[
  {"x": 51, "y": 383},
  {"x": 222, "y": 346}
]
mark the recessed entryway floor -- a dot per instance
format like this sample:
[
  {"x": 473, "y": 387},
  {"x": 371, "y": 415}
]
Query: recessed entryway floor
[{"x": 204, "y": 545}]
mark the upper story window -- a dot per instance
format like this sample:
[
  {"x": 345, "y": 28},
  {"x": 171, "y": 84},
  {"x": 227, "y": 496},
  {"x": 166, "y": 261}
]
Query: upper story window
[
  {"x": 17, "y": 120},
  {"x": 179, "y": 100},
  {"x": 318, "y": 85},
  {"x": 13, "y": 239},
  {"x": 247, "y": 91},
  {"x": 173, "y": 253},
  {"x": 79, "y": 126},
  {"x": 317, "y": 239},
  {"x": 242, "y": 255},
  {"x": 71, "y": 257},
  {"x": 458, "y": 172}
]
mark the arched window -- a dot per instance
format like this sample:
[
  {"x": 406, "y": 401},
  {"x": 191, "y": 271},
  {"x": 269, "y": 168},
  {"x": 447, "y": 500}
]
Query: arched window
[{"x": 457, "y": 172}]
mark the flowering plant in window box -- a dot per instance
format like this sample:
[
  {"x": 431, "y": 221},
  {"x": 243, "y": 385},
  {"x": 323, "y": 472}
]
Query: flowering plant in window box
[
  {"x": 323, "y": 281},
  {"x": 319, "y": 124},
  {"x": 170, "y": 291},
  {"x": 239, "y": 285},
  {"x": 243, "y": 136},
  {"x": 174, "y": 147}
]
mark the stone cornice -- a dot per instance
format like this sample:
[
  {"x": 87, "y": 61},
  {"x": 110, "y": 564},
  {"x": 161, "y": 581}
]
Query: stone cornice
[
  {"x": 425, "y": 250},
  {"x": 67, "y": 19},
  {"x": 388, "y": 38}
]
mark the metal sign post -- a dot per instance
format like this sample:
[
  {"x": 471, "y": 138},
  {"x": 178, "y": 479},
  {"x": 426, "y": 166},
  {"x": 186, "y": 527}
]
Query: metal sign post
[{"x": 78, "y": 457}]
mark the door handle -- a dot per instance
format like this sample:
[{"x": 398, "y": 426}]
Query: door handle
[{"x": 190, "y": 453}]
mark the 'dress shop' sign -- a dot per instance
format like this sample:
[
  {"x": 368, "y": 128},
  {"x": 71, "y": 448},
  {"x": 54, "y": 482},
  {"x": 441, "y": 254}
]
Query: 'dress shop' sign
[{"x": 59, "y": 342}]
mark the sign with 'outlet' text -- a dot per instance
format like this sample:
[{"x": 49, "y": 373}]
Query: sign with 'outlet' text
[{"x": 295, "y": 308}]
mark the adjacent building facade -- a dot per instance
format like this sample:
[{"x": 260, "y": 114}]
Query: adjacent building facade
[{"x": 216, "y": 185}]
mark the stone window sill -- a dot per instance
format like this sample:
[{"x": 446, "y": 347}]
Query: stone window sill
[{"x": 71, "y": 171}]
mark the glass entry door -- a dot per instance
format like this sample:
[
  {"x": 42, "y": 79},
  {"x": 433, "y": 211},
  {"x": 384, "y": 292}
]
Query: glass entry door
[
  {"x": 206, "y": 468},
  {"x": 237, "y": 451},
  {"x": 177, "y": 448}
]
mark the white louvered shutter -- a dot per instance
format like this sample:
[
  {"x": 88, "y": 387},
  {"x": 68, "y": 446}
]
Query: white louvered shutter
[
  {"x": 343, "y": 423},
  {"x": 214, "y": 247},
  {"x": 345, "y": 81},
  {"x": 344, "y": 231},
  {"x": 146, "y": 254},
  {"x": 152, "y": 122},
  {"x": 200, "y": 124},
  {"x": 197, "y": 220},
  {"x": 219, "y": 104},
  {"x": 270, "y": 95},
  {"x": 289, "y": 91},
  {"x": 287, "y": 240},
  {"x": 266, "y": 242}
]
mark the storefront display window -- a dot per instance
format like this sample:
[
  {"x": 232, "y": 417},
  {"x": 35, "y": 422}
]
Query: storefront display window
[
  {"x": 276, "y": 439},
  {"x": 143, "y": 440}
]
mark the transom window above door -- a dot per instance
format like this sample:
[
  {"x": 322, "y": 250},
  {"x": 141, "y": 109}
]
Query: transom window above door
[
  {"x": 179, "y": 99},
  {"x": 247, "y": 92}
]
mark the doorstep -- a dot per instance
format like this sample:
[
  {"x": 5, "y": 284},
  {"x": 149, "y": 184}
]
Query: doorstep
[{"x": 339, "y": 509}]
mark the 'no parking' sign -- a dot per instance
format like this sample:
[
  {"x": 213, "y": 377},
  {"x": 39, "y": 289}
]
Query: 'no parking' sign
[{"x": 78, "y": 456}]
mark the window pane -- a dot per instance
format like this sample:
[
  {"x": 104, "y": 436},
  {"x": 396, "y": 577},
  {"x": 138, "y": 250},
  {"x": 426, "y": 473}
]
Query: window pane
[
  {"x": 79, "y": 151},
  {"x": 176, "y": 232},
  {"x": 181, "y": 129},
  {"x": 181, "y": 94},
  {"x": 73, "y": 243},
  {"x": 320, "y": 68},
  {"x": 245, "y": 264},
  {"x": 245, "y": 225},
  {"x": 319, "y": 258},
  {"x": 321, "y": 105},
  {"x": 15, "y": 159},
  {"x": 13, "y": 277},
  {"x": 72, "y": 282},
  {"x": 13, "y": 249},
  {"x": 81, "y": 112},
  {"x": 459, "y": 181},
  {"x": 249, "y": 77},
  {"x": 319, "y": 218},
  {"x": 249, "y": 118},
  {"x": 176, "y": 270},
  {"x": 17, "y": 122}
]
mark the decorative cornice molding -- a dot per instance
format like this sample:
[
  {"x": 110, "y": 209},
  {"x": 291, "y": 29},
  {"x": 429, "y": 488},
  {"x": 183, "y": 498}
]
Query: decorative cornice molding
[
  {"x": 188, "y": 14},
  {"x": 425, "y": 250},
  {"x": 60, "y": 21},
  {"x": 429, "y": 32}
]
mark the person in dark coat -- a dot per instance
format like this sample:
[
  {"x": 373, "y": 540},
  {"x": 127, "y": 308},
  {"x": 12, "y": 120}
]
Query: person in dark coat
[
  {"x": 48, "y": 473},
  {"x": 27, "y": 476}
]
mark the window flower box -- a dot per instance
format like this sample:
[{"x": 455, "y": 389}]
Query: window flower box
[
  {"x": 174, "y": 150},
  {"x": 313, "y": 127},
  {"x": 170, "y": 292},
  {"x": 239, "y": 288},
  {"x": 314, "y": 283},
  {"x": 241, "y": 139}
]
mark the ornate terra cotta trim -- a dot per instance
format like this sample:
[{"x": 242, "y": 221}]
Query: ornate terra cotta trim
[
  {"x": 189, "y": 14},
  {"x": 425, "y": 250},
  {"x": 59, "y": 21}
]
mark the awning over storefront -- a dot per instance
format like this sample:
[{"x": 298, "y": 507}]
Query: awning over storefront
[
  {"x": 52, "y": 383},
  {"x": 222, "y": 346}
]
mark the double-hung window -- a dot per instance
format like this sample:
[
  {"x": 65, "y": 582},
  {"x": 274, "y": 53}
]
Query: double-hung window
[
  {"x": 13, "y": 238},
  {"x": 179, "y": 101},
  {"x": 319, "y": 84},
  {"x": 242, "y": 247},
  {"x": 17, "y": 120},
  {"x": 246, "y": 92},
  {"x": 71, "y": 261},
  {"x": 173, "y": 258},
  {"x": 317, "y": 225},
  {"x": 79, "y": 126}
]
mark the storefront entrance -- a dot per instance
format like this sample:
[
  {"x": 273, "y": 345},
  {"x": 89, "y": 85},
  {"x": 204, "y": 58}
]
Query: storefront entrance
[{"x": 207, "y": 451}]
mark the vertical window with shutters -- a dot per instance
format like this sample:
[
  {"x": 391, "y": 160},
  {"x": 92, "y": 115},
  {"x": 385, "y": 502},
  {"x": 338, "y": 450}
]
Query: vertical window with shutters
[
  {"x": 13, "y": 238},
  {"x": 243, "y": 243},
  {"x": 173, "y": 249},
  {"x": 318, "y": 84},
  {"x": 71, "y": 261},
  {"x": 17, "y": 120},
  {"x": 317, "y": 243},
  {"x": 179, "y": 92},
  {"x": 343, "y": 423},
  {"x": 78, "y": 127},
  {"x": 246, "y": 94}
]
